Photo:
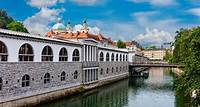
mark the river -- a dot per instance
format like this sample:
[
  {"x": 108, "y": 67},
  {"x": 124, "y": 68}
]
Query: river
[{"x": 154, "y": 91}]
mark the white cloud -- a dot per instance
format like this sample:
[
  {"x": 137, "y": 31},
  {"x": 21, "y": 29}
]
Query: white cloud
[
  {"x": 194, "y": 11},
  {"x": 39, "y": 23},
  {"x": 154, "y": 37},
  {"x": 43, "y": 3},
  {"x": 156, "y": 2},
  {"x": 87, "y": 2},
  {"x": 92, "y": 30}
]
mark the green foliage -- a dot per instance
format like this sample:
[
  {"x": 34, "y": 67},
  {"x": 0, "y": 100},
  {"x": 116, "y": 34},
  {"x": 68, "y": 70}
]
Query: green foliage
[
  {"x": 4, "y": 19},
  {"x": 152, "y": 47},
  {"x": 187, "y": 52},
  {"x": 16, "y": 26},
  {"x": 169, "y": 57},
  {"x": 6, "y": 22},
  {"x": 121, "y": 44}
]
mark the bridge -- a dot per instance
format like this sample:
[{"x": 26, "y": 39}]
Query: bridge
[{"x": 155, "y": 65}]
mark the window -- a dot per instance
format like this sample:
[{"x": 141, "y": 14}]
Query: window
[
  {"x": 26, "y": 81},
  {"x": 107, "y": 70},
  {"x": 63, "y": 76},
  {"x": 101, "y": 58},
  {"x": 3, "y": 52},
  {"x": 63, "y": 55},
  {"x": 123, "y": 57},
  {"x": 76, "y": 56},
  {"x": 126, "y": 58},
  {"x": 120, "y": 57},
  {"x": 26, "y": 53},
  {"x": 116, "y": 69},
  {"x": 116, "y": 57},
  {"x": 112, "y": 57},
  {"x": 75, "y": 75},
  {"x": 46, "y": 78},
  {"x": 112, "y": 69},
  {"x": 120, "y": 68},
  {"x": 1, "y": 83},
  {"x": 101, "y": 72},
  {"x": 47, "y": 54},
  {"x": 107, "y": 57}
]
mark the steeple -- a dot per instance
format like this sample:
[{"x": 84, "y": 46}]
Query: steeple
[
  {"x": 69, "y": 27},
  {"x": 85, "y": 28}
]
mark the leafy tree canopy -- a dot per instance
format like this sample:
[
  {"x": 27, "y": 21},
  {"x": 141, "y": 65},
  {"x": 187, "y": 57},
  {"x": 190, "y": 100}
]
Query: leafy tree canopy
[
  {"x": 7, "y": 22},
  {"x": 121, "y": 44}
]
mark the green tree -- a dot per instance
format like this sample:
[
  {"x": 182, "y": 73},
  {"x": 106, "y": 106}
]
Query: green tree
[
  {"x": 7, "y": 22},
  {"x": 187, "y": 52},
  {"x": 4, "y": 19},
  {"x": 121, "y": 44},
  {"x": 17, "y": 26},
  {"x": 152, "y": 47}
]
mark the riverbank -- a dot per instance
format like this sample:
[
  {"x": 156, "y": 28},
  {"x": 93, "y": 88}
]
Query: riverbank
[{"x": 58, "y": 94}]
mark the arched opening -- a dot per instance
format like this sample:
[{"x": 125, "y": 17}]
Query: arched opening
[
  {"x": 3, "y": 52},
  {"x": 112, "y": 57},
  {"x": 126, "y": 57},
  {"x": 75, "y": 74},
  {"x": 47, "y": 54},
  {"x": 75, "y": 55},
  {"x": 63, "y": 74},
  {"x": 123, "y": 57},
  {"x": 101, "y": 72},
  {"x": 116, "y": 57},
  {"x": 107, "y": 70},
  {"x": 120, "y": 57},
  {"x": 63, "y": 55},
  {"x": 1, "y": 83},
  {"x": 112, "y": 69},
  {"x": 26, "y": 81},
  {"x": 107, "y": 57},
  {"x": 46, "y": 78},
  {"x": 101, "y": 58},
  {"x": 26, "y": 53}
]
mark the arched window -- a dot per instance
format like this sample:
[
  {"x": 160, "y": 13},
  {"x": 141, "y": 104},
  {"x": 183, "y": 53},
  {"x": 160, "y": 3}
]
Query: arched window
[
  {"x": 107, "y": 70},
  {"x": 112, "y": 57},
  {"x": 116, "y": 69},
  {"x": 126, "y": 57},
  {"x": 63, "y": 56},
  {"x": 47, "y": 54},
  {"x": 112, "y": 69},
  {"x": 120, "y": 57},
  {"x": 76, "y": 56},
  {"x": 101, "y": 72},
  {"x": 123, "y": 57},
  {"x": 107, "y": 57},
  {"x": 101, "y": 58},
  {"x": 46, "y": 78},
  {"x": 116, "y": 57},
  {"x": 26, "y": 81},
  {"x": 63, "y": 74},
  {"x": 3, "y": 52},
  {"x": 75, "y": 75},
  {"x": 1, "y": 83},
  {"x": 26, "y": 53}
]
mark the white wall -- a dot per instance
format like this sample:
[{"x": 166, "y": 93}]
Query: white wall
[{"x": 13, "y": 46}]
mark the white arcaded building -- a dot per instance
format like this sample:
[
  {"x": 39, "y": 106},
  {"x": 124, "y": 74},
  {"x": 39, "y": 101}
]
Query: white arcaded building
[{"x": 34, "y": 69}]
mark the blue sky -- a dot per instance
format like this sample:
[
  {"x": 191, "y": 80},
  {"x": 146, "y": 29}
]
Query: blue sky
[{"x": 150, "y": 22}]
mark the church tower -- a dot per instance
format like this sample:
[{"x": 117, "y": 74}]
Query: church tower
[{"x": 85, "y": 28}]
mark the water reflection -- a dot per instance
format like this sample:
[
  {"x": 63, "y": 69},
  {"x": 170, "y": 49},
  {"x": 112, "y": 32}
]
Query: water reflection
[
  {"x": 155, "y": 91},
  {"x": 115, "y": 95}
]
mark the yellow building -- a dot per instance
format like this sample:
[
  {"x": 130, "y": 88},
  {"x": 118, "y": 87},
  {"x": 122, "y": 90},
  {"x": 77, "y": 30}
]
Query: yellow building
[{"x": 154, "y": 54}]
